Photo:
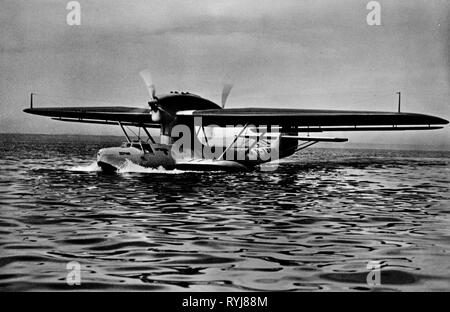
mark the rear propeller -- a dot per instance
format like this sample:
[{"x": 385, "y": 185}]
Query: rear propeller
[{"x": 225, "y": 93}]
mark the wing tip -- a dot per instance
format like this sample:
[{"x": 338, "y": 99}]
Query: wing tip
[{"x": 438, "y": 120}]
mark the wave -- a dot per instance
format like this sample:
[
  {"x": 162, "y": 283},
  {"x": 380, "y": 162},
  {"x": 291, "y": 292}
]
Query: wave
[
  {"x": 93, "y": 167},
  {"x": 127, "y": 167},
  {"x": 130, "y": 167}
]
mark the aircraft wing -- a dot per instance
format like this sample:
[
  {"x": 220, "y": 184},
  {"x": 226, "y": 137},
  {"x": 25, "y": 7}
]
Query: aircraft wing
[
  {"x": 99, "y": 115},
  {"x": 322, "y": 120},
  {"x": 296, "y": 119}
]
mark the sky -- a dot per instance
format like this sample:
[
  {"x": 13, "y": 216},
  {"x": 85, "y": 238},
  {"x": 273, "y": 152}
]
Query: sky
[{"x": 290, "y": 53}]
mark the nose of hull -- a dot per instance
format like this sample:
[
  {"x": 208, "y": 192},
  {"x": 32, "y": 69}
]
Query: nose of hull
[
  {"x": 108, "y": 168},
  {"x": 108, "y": 161}
]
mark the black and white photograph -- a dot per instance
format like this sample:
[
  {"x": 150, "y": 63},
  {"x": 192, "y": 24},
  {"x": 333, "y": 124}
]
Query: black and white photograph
[{"x": 224, "y": 146}]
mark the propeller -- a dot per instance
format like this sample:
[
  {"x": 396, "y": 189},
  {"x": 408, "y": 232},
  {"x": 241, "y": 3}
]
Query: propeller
[
  {"x": 158, "y": 113},
  {"x": 225, "y": 92},
  {"x": 147, "y": 77}
]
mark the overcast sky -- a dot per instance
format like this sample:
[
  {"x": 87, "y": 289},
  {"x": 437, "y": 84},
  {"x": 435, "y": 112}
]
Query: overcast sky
[{"x": 294, "y": 54}]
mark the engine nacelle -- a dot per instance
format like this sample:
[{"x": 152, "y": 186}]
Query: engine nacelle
[{"x": 156, "y": 116}]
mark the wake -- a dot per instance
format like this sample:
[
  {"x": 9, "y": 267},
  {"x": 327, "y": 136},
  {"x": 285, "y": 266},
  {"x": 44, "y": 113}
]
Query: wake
[
  {"x": 130, "y": 167},
  {"x": 93, "y": 167},
  {"x": 127, "y": 167}
]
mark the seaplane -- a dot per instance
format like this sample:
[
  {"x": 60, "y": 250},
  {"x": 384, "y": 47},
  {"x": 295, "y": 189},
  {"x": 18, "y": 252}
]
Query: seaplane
[{"x": 198, "y": 134}]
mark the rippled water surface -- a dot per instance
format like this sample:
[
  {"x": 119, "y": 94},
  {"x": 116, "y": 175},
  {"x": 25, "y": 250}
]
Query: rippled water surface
[{"x": 312, "y": 224}]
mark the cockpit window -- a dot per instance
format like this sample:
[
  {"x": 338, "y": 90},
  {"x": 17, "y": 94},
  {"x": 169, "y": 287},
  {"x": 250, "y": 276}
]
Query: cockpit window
[{"x": 147, "y": 148}]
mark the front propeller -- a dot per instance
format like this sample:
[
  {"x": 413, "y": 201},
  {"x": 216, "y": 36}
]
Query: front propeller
[
  {"x": 147, "y": 77},
  {"x": 158, "y": 113}
]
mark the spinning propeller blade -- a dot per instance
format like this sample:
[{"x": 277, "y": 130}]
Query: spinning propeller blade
[
  {"x": 147, "y": 77},
  {"x": 225, "y": 92},
  {"x": 158, "y": 113}
]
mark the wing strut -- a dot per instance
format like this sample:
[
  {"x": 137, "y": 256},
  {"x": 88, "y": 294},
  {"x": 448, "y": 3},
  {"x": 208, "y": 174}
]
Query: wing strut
[
  {"x": 257, "y": 139},
  {"x": 204, "y": 135},
  {"x": 232, "y": 143},
  {"x": 305, "y": 145},
  {"x": 148, "y": 134},
  {"x": 123, "y": 129}
]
